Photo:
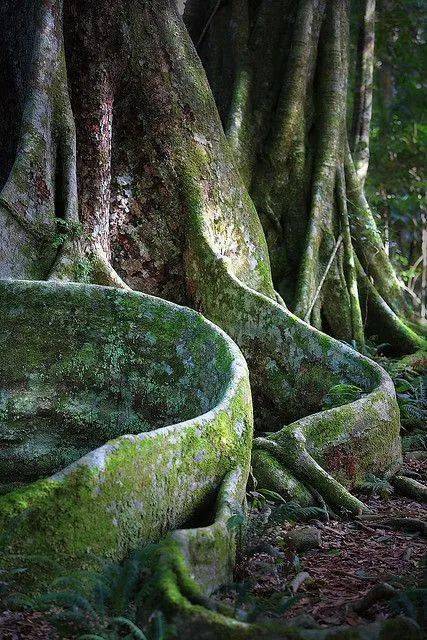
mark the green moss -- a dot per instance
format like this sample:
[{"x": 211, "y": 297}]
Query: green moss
[
  {"x": 112, "y": 347},
  {"x": 107, "y": 363},
  {"x": 95, "y": 513}
]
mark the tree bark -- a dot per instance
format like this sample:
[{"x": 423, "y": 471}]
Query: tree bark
[
  {"x": 285, "y": 119},
  {"x": 362, "y": 112}
]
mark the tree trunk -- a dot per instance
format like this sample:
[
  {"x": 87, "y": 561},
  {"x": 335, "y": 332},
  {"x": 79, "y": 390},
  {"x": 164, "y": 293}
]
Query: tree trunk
[
  {"x": 278, "y": 72},
  {"x": 119, "y": 173},
  {"x": 362, "y": 112}
]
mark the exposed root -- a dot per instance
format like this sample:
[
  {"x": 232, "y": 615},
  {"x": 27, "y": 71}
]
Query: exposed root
[
  {"x": 102, "y": 272},
  {"x": 395, "y": 522},
  {"x": 410, "y": 487},
  {"x": 319, "y": 236},
  {"x": 301, "y": 464},
  {"x": 270, "y": 473},
  {"x": 379, "y": 314}
]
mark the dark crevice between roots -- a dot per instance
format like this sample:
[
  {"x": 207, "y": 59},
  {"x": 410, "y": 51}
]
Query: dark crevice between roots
[{"x": 204, "y": 516}]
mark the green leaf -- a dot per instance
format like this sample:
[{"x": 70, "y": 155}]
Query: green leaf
[
  {"x": 137, "y": 633},
  {"x": 235, "y": 521}
]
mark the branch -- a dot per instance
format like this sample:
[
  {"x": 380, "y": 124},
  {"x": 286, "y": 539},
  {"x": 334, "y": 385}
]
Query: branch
[
  {"x": 319, "y": 288},
  {"x": 208, "y": 24}
]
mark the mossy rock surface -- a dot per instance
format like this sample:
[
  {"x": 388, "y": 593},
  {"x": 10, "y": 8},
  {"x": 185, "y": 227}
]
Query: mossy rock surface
[{"x": 146, "y": 404}]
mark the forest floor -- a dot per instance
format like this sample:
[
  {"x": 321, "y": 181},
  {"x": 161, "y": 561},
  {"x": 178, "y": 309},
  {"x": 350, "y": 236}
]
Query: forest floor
[
  {"x": 315, "y": 587},
  {"x": 303, "y": 565},
  {"x": 324, "y": 585}
]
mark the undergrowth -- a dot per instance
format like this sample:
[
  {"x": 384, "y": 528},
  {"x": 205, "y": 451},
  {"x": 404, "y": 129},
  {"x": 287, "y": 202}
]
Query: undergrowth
[
  {"x": 411, "y": 394},
  {"x": 373, "y": 485},
  {"x": 95, "y": 606}
]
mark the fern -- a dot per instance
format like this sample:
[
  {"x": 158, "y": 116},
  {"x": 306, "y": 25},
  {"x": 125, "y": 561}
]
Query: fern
[
  {"x": 411, "y": 393},
  {"x": 415, "y": 441},
  {"x": 135, "y": 631},
  {"x": 293, "y": 511},
  {"x": 412, "y": 414},
  {"x": 99, "y": 606},
  {"x": 73, "y": 621},
  {"x": 373, "y": 484}
]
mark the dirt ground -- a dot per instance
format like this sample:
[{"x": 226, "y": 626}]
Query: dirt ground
[{"x": 327, "y": 582}]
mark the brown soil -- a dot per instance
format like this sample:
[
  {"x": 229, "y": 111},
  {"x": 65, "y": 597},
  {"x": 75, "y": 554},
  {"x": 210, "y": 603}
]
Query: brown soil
[
  {"x": 25, "y": 626},
  {"x": 352, "y": 559}
]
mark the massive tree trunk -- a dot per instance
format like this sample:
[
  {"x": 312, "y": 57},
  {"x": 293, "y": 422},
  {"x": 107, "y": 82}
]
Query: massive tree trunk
[
  {"x": 278, "y": 71},
  {"x": 116, "y": 171}
]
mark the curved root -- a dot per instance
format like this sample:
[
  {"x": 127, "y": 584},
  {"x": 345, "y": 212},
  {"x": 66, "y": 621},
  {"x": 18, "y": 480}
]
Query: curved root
[
  {"x": 301, "y": 464},
  {"x": 102, "y": 272}
]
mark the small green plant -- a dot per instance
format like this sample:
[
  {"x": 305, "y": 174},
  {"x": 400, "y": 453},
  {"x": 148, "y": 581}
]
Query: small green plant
[
  {"x": 236, "y": 520},
  {"x": 66, "y": 230},
  {"x": 294, "y": 512},
  {"x": 412, "y": 401},
  {"x": 100, "y": 606},
  {"x": 341, "y": 394},
  {"x": 416, "y": 441},
  {"x": 249, "y": 607},
  {"x": 279, "y": 510},
  {"x": 376, "y": 486}
]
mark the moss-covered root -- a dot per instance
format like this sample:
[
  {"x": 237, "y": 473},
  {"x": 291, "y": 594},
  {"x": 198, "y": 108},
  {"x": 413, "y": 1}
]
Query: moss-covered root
[
  {"x": 192, "y": 614},
  {"x": 293, "y": 454},
  {"x": 189, "y": 565},
  {"x": 410, "y": 488},
  {"x": 402, "y": 338},
  {"x": 271, "y": 474},
  {"x": 78, "y": 263}
]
